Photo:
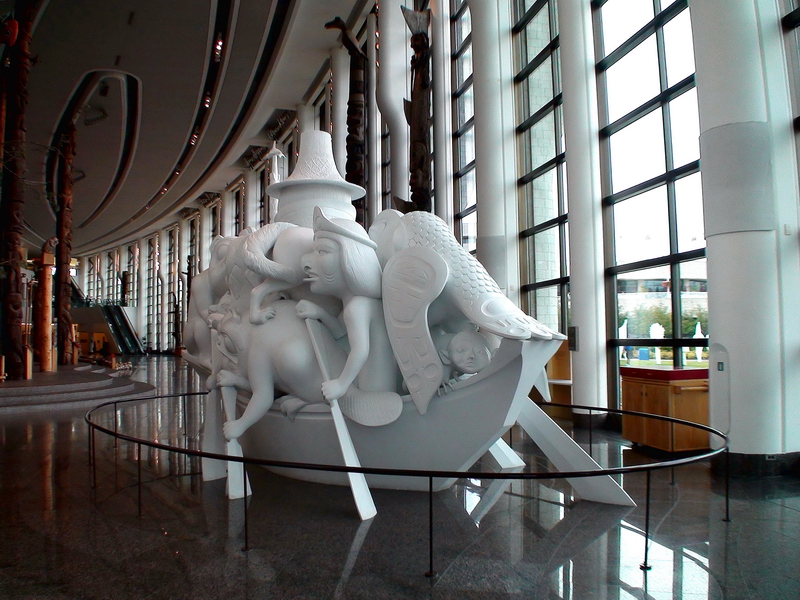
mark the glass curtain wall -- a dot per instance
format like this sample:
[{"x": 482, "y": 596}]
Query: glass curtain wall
[
  {"x": 193, "y": 259},
  {"x": 238, "y": 208},
  {"x": 153, "y": 296},
  {"x": 262, "y": 209},
  {"x": 113, "y": 282},
  {"x": 132, "y": 292},
  {"x": 655, "y": 253},
  {"x": 215, "y": 214},
  {"x": 93, "y": 285},
  {"x": 465, "y": 211},
  {"x": 174, "y": 290},
  {"x": 540, "y": 148}
]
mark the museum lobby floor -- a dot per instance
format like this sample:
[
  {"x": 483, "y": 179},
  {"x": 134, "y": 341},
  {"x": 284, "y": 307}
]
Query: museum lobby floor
[{"x": 62, "y": 538}]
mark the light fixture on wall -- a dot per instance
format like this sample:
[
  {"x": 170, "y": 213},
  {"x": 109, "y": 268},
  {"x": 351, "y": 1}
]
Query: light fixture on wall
[{"x": 94, "y": 115}]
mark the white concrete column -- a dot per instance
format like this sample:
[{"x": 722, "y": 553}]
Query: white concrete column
[
  {"x": 226, "y": 208},
  {"x": 340, "y": 73},
  {"x": 373, "y": 130},
  {"x": 305, "y": 117},
  {"x": 442, "y": 110},
  {"x": 582, "y": 140},
  {"x": 204, "y": 240},
  {"x": 251, "y": 191},
  {"x": 393, "y": 88},
  {"x": 495, "y": 176},
  {"x": 183, "y": 263},
  {"x": 274, "y": 177},
  {"x": 750, "y": 203},
  {"x": 164, "y": 338}
]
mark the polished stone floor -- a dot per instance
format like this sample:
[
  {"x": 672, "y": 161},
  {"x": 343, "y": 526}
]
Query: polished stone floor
[{"x": 60, "y": 537}]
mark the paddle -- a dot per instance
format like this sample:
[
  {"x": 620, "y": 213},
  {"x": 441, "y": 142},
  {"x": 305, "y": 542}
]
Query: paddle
[
  {"x": 358, "y": 483},
  {"x": 236, "y": 485}
]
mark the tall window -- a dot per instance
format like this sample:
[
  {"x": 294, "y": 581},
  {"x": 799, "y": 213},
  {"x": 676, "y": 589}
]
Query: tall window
[
  {"x": 216, "y": 220},
  {"x": 465, "y": 211},
  {"x": 174, "y": 295},
  {"x": 132, "y": 292},
  {"x": 263, "y": 199},
  {"x": 113, "y": 282},
  {"x": 542, "y": 181},
  {"x": 93, "y": 284},
  {"x": 238, "y": 208},
  {"x": 193, "y": 259},
  {"x": 153, "y": 295},
  {"x": 652, "y": 191},
  {"x": 386, "y": 167}
]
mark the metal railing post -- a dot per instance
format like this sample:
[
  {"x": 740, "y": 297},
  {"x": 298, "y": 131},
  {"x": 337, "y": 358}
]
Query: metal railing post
[
  {"x": 645, "y": 566},
  {"x": 430, "y": 572}
]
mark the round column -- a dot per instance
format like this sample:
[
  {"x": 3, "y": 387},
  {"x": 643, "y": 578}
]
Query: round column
[
  {"x": 305, "y": 117},
  {"x": 340, "y": 72},
  {"x": 442, "y": 109},
  {"x": 393, "y": 81},
  {"x": 581, "y": 130},
  {"x": 750, "y": 209},
  {"x": 494, "y": 142},
  {"x": 251, "y": 192}
]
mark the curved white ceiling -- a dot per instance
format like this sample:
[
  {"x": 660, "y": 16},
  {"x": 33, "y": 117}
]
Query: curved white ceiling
[{"x": 136, "y": 74}]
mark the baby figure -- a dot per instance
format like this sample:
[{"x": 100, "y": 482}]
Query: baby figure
[{"x": 467, "y": 353}]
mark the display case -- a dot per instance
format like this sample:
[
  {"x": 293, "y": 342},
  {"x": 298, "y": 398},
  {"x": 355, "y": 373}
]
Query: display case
[{"x": 678, "y": 393}]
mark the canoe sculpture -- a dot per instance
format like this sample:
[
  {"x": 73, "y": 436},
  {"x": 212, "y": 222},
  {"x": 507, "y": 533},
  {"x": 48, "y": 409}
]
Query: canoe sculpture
[{"x": 390, "y": 348}]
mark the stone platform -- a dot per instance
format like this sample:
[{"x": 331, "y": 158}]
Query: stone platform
[{"x": 70, "y": 387}]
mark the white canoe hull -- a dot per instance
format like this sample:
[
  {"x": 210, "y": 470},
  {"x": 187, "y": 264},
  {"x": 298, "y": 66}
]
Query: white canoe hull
[{"x": 458, "y": 428}]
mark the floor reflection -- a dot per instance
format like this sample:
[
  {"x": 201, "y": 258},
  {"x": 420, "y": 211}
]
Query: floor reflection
[{"x": 61, "y": 538}]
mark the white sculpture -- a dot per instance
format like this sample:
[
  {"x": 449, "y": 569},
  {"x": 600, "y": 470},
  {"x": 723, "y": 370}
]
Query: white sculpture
[
  {"x": 467, "y": 353},
  {"x": 379, "y": 296},
  {"x": 344, "y": 265}
]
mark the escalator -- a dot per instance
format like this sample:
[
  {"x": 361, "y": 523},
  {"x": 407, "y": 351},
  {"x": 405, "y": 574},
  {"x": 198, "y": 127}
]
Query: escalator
[{"x": 121, "y": 330}]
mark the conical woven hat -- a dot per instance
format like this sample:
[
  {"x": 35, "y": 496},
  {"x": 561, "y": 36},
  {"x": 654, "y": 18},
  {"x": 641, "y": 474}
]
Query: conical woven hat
[{"x": 315, "y": 181}]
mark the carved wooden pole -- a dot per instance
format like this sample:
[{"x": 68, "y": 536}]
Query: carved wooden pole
[
  {"x": 43, "y": 308},
  {"x": 13, "y": 200},
  {"x": 356, "y": 102},
  {"x": 419, "y": 110},
  {"x": 8, "y": 36},
  {"x": 64, "y": 253}
]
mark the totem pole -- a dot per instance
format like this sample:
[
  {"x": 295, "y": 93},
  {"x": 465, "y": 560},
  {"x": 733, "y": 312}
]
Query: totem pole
[
  {"x": 64, "y": 254},
  {"x": 418, "y": 112},
  {"x": 13, "y": 198}
]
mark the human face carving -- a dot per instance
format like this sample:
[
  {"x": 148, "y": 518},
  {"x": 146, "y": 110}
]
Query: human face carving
[
  {"x": 469, "y": 352},
  {"x": 323, "y": 268}
]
